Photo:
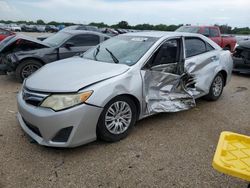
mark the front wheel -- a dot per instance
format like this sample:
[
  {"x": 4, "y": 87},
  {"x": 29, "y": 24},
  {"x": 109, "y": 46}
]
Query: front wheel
[
  {"x": 117, "y": 118},
  {"x": 216, "y": 88},
  {"x": 26, "y": 68}
]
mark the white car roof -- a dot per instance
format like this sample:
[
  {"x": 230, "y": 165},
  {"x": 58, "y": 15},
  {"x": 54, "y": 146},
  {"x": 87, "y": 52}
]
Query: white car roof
[
  {"x": 164, "y": 34},
  {"x": 160, "y": 34}
]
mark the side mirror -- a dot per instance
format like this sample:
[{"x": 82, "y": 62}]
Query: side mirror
[
  {"x": 206, "y": 35},
  {"x": 68, "y": 45}
]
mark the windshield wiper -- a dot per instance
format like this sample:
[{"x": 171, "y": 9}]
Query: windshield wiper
[
  {"x": 96, "y": 52},
  {"x": 112, "y": 55}
]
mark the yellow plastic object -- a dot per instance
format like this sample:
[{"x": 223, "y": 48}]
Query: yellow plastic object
[{"x": 232, "y": 155}]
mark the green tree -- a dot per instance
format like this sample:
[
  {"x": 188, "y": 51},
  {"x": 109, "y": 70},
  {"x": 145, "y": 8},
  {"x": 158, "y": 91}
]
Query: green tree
[
  {"x": 100, "y": 25},
  {"x": 40, "y": 22},
  {"x": 123, "y": 25}
]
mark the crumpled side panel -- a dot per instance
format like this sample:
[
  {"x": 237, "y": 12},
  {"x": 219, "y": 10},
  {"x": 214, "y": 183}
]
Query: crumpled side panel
[
  {"x": 203, "y": 69},
  {"x": 165, "y": 92}
]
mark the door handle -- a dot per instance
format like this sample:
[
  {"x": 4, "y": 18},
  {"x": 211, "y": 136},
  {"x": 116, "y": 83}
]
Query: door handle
[{"x": 214, "y": 58}]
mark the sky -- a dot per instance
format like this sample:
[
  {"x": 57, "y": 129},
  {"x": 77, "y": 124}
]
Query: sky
[{"x": 235, "y": 13}]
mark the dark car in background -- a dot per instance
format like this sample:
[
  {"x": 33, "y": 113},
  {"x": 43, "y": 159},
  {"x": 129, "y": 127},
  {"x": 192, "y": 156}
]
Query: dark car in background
[
  {"x": 109, "y": 31},
  {"x": 51, "y": 28},
  {"x": 241, "y": 57},
  {"x": 24, "y": 55}
]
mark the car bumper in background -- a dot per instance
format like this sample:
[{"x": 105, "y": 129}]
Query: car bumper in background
[
  {"x": 241, "y": 65},
  {"x": 3, "y": 69},
  {"x": 67, "y": 128}
]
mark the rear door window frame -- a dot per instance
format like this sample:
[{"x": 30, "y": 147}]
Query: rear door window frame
[{"x": 197, "y": 38}]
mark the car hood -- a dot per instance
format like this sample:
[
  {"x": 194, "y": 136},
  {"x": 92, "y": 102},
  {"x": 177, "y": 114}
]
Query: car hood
[{"x": 72, "y": 74}]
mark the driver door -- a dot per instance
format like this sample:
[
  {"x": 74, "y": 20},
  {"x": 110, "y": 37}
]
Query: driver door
[{"x": 164, "y": 80}]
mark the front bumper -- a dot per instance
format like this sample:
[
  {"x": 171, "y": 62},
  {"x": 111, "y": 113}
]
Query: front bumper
[{"x": 43, "y": 124}]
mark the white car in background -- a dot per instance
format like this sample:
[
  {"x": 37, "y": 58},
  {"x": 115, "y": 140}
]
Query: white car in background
[{"x": 15, "y": 27}]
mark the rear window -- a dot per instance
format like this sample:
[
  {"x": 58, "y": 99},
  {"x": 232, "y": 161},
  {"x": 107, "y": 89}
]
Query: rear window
[
  {"x": 205, "y": 32},
  {"x": 5, "y": 42},
  {"x": 214, "y": 32},
  {"x": 22, "y": 45},
  {"x": 188, "y": 29}
]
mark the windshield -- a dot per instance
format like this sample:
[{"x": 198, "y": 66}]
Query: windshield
[
  {"x": 121, "y": 49},
  {"x": 57, "y": 39},
  {"x": 6, "y": 42},
  {"x": 188, "y": 29}
]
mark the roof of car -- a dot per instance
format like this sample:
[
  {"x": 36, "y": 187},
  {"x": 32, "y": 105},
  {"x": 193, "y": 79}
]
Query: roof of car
[
  {"x": 75, "y": 32},
  {"x": 160, "y": 34}
]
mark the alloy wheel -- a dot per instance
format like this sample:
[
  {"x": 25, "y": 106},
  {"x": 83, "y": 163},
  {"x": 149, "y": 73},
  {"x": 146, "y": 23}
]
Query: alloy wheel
[
  {"x": 217, "y": 86},
  {"x": 118, "y": 117}
]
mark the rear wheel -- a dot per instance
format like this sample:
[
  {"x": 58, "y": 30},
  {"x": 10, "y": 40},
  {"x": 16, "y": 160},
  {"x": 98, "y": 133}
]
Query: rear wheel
[
  {"x": 216, "y": 88},
  {"x": 116, "y": 120},
  {"x": 26, "y": 68}
]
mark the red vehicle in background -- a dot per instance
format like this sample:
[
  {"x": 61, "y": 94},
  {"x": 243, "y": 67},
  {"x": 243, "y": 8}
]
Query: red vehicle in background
[
  {"x": 212, "y": 32},
  {"x": 5, "y": 33}
]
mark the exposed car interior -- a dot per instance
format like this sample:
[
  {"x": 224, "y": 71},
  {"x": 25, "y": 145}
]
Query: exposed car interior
[{"x": 166, "y": 57}]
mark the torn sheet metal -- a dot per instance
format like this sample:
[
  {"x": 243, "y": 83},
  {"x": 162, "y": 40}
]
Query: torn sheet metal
[{"x": 166, "y": 92}]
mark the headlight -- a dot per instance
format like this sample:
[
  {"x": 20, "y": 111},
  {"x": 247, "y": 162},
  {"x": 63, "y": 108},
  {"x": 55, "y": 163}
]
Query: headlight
[{"x": 63, "y": 101}]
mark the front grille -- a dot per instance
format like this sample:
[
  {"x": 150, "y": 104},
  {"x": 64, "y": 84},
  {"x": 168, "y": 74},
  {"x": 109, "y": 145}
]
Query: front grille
[
  {"x": 33, "y": 98},
  {"x": 33, "y": 128}
]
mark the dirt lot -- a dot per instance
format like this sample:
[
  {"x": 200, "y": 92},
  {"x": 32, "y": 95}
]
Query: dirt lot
[{"x": 166, "y": 150}]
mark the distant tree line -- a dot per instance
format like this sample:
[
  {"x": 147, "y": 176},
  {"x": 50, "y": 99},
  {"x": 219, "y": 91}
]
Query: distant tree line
[{"x": 225, "y": 29}]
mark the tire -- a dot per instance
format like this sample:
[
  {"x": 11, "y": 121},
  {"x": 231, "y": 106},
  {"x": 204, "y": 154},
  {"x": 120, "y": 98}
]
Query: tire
[
  {"x": 26, "y": 68},
  {"x": 216, "y": 88},
  {"x": 113, "y": 129}
]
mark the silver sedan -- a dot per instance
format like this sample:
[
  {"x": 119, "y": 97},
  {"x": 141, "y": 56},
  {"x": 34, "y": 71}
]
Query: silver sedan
[{"x": 102, "y": 93}]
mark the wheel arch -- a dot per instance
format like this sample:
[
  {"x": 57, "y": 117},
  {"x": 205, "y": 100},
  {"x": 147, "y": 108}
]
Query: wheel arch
[
  {"x": 32, "y": 58},
  {"x": 224, "y": 74},
  {"x": 134, "y": 99}
]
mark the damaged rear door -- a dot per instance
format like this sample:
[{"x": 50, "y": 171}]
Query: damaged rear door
[
  {"x": 172, "y": 80},
  {"x": 165, "y": 81}
]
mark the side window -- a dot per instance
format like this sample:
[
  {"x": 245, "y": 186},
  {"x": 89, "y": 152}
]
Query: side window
[
  {"x": 168, "y": 53},
  {"x": 28, "y": 45},
  {"x": 85, "y": 40},
  {"x": 214, "y": 32},
  {"x": 23, "y": 45},
  {"x": 194, "y": 46}
]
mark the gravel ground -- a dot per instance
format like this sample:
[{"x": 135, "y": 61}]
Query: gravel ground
[{"x": 165, "y": 150}]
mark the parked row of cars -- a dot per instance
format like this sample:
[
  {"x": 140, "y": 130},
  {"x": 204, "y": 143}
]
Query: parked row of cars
[
  {"x": 53, "y": 28},
  {"x": 30, "y": 28}
]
